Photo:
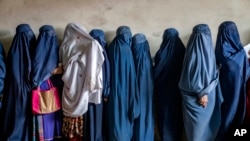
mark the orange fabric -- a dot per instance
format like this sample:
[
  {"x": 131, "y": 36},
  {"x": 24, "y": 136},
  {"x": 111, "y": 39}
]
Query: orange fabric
[{"x": 73, "y": 127}]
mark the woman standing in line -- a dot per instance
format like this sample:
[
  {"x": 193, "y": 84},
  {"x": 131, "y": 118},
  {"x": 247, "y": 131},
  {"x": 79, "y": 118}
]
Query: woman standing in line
[
  {"x": 96, "y": 112},
  {"x": 123, "y": 102},
  {"x": 82, "y": 59},
  {"x": 167, "y": 72},
  {"x": 234, "y": 73},
  {"x": 199, "y": 86},
  {"x": 16, "y": 122},
  {"x": 144, "y": 125}
]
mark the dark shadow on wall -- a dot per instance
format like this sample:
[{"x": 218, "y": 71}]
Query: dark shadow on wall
[
  {"x": 6, "y": 39},
  {"x": 185, "y": 39},
  {"x": 110, "y": 35},
  {"x": 246, "y": 35},
  {"x": 59, "y": 33}
]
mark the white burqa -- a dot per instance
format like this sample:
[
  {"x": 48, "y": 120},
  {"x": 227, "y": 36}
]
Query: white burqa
[{"x": 82, "y": 58}]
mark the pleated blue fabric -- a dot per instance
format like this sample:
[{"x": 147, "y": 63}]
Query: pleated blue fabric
[
  {"x": 200, "y": 77},
  {"x": 2, "y": 72},
  {"x": 144, "y": 125},
  {"x": 123, "y": 101},
  {"x": 95, "y": 114},
  {"x": 234, "y": 73},
  {"x": 16, "y": 120},
  {"x": 45, "y": 60},
  {"x": 167, "y": 72}
]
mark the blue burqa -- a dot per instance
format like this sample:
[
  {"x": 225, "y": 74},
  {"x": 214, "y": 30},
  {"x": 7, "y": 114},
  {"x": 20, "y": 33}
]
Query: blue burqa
[
  {"x": 95, "y": 114},
  {"x": 200, "y": 77},
  {"x": 2, "y": 73},
  {"x": 144, "y": 125},
  {"x": 45, "y": 60},
  {"x": 123, "y": 101},
  {"x": 16, "y": 120},
  {"x": 231, "y": 56},
  {"x": 167, "y": 72}
]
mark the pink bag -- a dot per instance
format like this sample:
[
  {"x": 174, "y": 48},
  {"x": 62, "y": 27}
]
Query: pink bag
[{"x": 45, "y": 101}]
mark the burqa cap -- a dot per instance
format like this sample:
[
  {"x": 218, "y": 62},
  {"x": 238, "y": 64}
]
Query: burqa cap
[
  {"x": 170, "y": 32},
  {"x": 139, "y": 38},
  {"x": 46, "y": 27},
  {"x": 99, "y": 35},
  {"x": 123, "y": 29},
  {"x": 228, "y": 25},
  {"x": 96, "y": 33},
  {"x": 23, "y": 28},
  {"x": 201, "y": 28}
]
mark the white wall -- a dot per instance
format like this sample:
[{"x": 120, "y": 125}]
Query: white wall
[{"x": 150, "y": 17}]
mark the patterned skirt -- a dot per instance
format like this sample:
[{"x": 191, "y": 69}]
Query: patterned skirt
[{"x": 73, "y": 126}]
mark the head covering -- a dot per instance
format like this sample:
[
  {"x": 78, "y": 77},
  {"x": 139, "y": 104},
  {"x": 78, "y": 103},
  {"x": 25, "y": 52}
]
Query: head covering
[
  {"x": 143, "y": 66},
  {"x": 99, "y": 35},
  {"x": 45, "y": 58},
  {"x": 16, "y": 111},
  {"x": 167, "y": 71},
  {"x": 2, "y": 72},
  {"x": 234, "y": 73},
  {"x": 171, "y": 53},
  {"x": 72, "y": 32},
  {"x": 82, "y": 59},
  {"x": 199, "y": 77},
  {"x": 196, "y": 63},
  {"x": 123, "y": 106}
]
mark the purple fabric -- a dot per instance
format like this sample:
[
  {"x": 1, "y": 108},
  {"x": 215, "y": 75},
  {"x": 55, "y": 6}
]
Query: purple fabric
[{"x": 52, "y": 123}]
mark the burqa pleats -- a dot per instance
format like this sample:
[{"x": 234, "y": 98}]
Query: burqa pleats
[
  {"x": 167, "y": 71},
  {"x": 16, "y": 120},
  {"x": 2, "y": 73},
  {"x": 123, "y": 101},
  {"x": 200, "y": 77},
  {"x": 144, "y": 125},
  {"x": 95, "y": 114},
  {"x": 231, "y": 56},
  {"x": 45, "y": 60}
]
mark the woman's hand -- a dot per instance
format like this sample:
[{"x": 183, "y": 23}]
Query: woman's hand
[
  {"x": 203, "y": 101},
  {"x": 105, "y": 99},
  {"x": 58, "y": 70}
]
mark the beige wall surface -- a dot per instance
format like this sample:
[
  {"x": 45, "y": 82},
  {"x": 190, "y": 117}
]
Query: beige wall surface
[{"x": 150, "y": 17}]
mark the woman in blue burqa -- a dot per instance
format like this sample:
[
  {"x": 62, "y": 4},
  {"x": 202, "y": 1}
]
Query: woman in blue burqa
[
  {"x": 144, "y": 125},
  {"x": 234, "y": 73},
  {"x": 123, "y": 101},
  {"x": 167, "y": 72},
  {"x": 199, "y": 86},
  {"x": 44, "y": 63},
  {"x": 2, "y": 73},
  {"x": 16, "y": 122},
  {"x": 95, "y": 115}
]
